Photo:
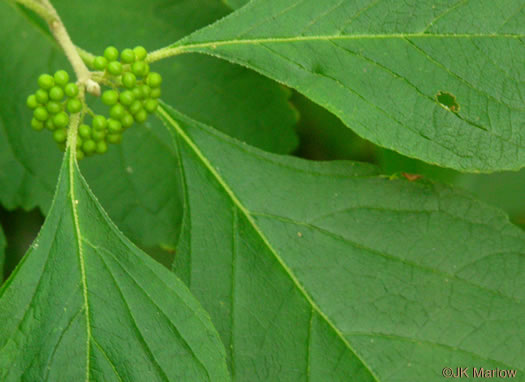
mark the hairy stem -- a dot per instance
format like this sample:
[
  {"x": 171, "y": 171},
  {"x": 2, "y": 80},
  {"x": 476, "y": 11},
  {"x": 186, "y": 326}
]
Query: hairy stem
[
  {"x": 163, "y": 53},
  {"x": 37, "y": 7},
  {"x": 45, "y": 9}
]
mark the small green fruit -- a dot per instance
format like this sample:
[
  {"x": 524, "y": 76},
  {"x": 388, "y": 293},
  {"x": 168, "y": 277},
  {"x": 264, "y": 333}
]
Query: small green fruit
[
  {"x": 129, "y": 80},
  {"x": 54, "y": 107},
  {"x": 89, "y": 146},
  {"x": 74, "y": 105},
  {"x": 41, "y": 114},
  {"x": 41, "y": 96},
  {"x": 61, "y": 119},
  {"x": 71, "y": 90},
  {"x": 110, "y": 97},
  {"x": 100, "y": 63},
  {"x": 31, "y": 102},
  {"x": 46, "y": 82},
  {"x": 114, "y": 126},
  {"x": 111, "y": 53},
  {"x": 117, "y": 111},
  {"x": 36, "y": 124},
  {"x": 154, "y": 80},
  {"x": 102, "y": 147},
  {"x": 115, "y": 68},
  {"x": 99, "y": 123},
  {"x": 127, "y": 56},
  {"x": 60, "y": 135},
  {"x": 84, "y": 131},
  {"x": 140, "y": 53},
  {"x": 61, "y": 78},
  {"x": 56, "y": 93}
]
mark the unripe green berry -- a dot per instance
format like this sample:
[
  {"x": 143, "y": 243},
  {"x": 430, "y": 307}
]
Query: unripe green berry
[
  {"x": 117, "y": 111},
  {"x": 146, "y": 91},
  {"x": 80, "y": 154},
  {"x": 71, "y": 90},
  {"x": 141, "y": 116},
  {"x": 80, "y": 142},
  {"x": 127, "y": 56},
  {"x": 46, "y": 82},
  {"x": 41, "y": 96},
  {"x": 140, "y": 53},
  {"x": 61, "y": 78},
  {"x": 98, "y": 135},
  {"x": 150, "y": 105},
  {"x": 135, "y": 107},
  {"x": 102, "y": 147},
  {"x": 155, "y": 93},
  {"x": 89, "y": 146},
  {"x": 61, "y": 119},
  {"x": 129, "y": 80},
  {"x": 110, "y": 97},
  {"x": 60, "y": 135},
  {"x": 36, "y": 124},
  {"x": 137, "y": 92},
  {"x": 54, "y": 107},
  {"x": 99, "y": 123},
  {"x": 154, "y": 80},
  {"x": 74, "y": 105},
  {"x": 84, "y": 131},
  {"x": 146, "y": 70},
  {"x": 114, "y": 138},
  {"x": 31, "y": 102},
  {"x": 139, "y": 68},
  {"x": 127, "y": 120},
  {"x": 114, "y": 126},
  {"x": 111, "y": 53},
  {"x": 100, "y": 63},
  {"x": 50, "y": 125},
  {"x": 56, "y": 93},
  {"x": 127, "y": 98},
  {"x": 115, "y": 68},
  {"x": 41, "y": 114}
]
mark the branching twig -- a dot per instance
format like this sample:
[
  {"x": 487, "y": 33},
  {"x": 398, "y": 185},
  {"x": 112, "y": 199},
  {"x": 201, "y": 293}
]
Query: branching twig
[{"x": 45, "y": 9}]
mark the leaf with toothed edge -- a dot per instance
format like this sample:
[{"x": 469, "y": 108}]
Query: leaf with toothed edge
[
  {"x": 324, "y": 271},
  {"x": 381, "y": 66},
  {"x": 85, "y": 304}
]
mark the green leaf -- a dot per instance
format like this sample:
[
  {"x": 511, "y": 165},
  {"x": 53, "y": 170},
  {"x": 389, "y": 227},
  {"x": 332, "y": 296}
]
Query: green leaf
[
  {"x": 132, "y": 188},
  {"x": 235, "y": 4},
  {"x": 3, "y": 244},
  {"x": 439, "y": 81},
  {"x": 86, "y": 304},
  {"x": 502, "y": 189},
  {"x": 204, "y": 88},
  {"x": 131, "y": 182},
  {"x": 324, "y": 271}
]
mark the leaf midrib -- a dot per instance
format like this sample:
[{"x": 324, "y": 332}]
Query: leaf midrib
[
  {"x": 78, "y": 234},
  {"x": 178, "y": 129},
  {"x": 182, "y": 46}
]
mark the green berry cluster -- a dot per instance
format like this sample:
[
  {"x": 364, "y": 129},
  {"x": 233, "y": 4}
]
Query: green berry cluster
[
  {"x": 53, "y": 103},
  {"x": 132, "y": 95}
]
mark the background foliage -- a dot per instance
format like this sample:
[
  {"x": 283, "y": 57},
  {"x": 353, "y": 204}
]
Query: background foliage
[{"x": 298, "y": 263}]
